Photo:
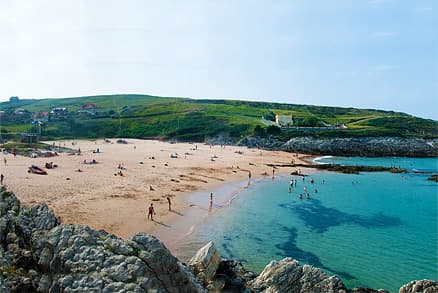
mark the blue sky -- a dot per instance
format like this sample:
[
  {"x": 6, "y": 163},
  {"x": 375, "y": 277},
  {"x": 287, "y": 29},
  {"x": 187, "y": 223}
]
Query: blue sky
[{"x": 368, "y": 54}]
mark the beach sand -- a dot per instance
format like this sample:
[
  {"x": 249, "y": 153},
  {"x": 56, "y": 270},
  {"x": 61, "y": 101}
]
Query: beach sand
[{"x": 118, "y": 204}]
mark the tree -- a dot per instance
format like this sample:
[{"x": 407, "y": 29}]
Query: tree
[
  {"x": 273, "y": 130},
  {"x": 269, "y": 115},
  {"x": 259, "y": 131},
  {"x": 310, "y": 122}
]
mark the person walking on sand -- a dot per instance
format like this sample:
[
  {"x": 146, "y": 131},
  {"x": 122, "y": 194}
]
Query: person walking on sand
[
  {"x": 249, "y": 178},
  {"x": 273, "y": 172},
  {"x": 151, "y": 212},
  {"x": 170, "y": 204},
  {"x": 2, "y": 177}
]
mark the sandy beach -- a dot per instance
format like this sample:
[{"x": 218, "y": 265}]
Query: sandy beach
[{"x": 152, "y": 171}]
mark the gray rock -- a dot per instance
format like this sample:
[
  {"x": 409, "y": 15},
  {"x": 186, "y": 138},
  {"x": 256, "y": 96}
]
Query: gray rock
[
  {"x": 366, "y": 146},
  {"x": 288, "y": 275},
  {"x": 422, "y": 286},
  {"x": 205, "y": 263},
  {"x": 38, "y": 254}
]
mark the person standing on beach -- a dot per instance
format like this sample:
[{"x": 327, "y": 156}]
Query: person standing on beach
[
  {"x": 2, "y": 177},
  {"x": 170, "y": 204},
  {"x": 273, "y": 172},
  {"x": 249, "y": 178},
  {"x": 211, "y": 198},
  {"x": 151, "y": 212}
]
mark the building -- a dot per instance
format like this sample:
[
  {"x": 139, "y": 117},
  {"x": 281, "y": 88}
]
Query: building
[
  {"x": 88, "y": 108},
  {"x": 41, "y": 116},
  {"x": 284, "y": 120},
  {"x": 58, "y": 112}
]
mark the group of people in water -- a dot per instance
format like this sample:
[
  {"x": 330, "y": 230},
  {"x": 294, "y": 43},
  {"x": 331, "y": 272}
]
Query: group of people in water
[{"x": 293, "y": 183}]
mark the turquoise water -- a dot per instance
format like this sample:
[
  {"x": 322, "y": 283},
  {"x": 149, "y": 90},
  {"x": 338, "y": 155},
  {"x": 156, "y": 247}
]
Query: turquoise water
[{"x": 374, "y": 229}]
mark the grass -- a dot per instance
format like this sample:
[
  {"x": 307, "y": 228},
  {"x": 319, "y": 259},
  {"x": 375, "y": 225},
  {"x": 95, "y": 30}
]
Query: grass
[{"x": 147, "y": 116}]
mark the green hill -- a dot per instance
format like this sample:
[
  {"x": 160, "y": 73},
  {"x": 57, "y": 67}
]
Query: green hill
[{"x": 143, "y": 116}]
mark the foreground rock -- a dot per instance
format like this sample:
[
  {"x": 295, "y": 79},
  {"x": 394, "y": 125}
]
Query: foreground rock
[
  {"x": 288, "y": 276},
  {"x": 39, "y": 255},
  {"x": 423, "y": 286},
  {"x": 205, "y": 264}
]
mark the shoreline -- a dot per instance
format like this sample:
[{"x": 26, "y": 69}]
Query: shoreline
[
  {"x": 97, "y": 197},
  {"x": 198, "y": 211}
]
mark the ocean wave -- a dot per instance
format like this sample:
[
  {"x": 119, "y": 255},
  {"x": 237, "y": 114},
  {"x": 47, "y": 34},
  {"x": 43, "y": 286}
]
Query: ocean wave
[{"x": 317, "y": 160}]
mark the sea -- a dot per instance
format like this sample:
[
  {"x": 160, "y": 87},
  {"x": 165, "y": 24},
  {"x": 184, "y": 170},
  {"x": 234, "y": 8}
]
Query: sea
[{"x": 374, "y": 229}]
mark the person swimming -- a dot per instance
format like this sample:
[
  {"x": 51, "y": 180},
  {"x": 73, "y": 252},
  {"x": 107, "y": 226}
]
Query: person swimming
[{"x": 300, "y": 196}]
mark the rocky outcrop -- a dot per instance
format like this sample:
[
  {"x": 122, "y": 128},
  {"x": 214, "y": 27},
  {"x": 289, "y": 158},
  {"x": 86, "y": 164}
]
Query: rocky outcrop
[
  {"x": 367, "y": 146},
  {"x": 288, "y": 276},
  {"x": 266, "y": 143},
  {"x": 205, "y": 264},
  {"x": 423, "y": 286},
  {"x": 37, "y": 254}
]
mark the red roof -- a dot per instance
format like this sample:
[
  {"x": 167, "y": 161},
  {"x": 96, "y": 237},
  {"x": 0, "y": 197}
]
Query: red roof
[{"x": 89, "y": 106}]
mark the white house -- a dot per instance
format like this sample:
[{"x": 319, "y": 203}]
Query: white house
[{"x": 284, "y": 120}]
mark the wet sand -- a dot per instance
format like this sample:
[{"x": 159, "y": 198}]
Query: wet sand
[{"x": 118, "y": 204}]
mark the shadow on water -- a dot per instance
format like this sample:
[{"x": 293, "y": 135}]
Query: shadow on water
[
  {"x": 290, "y": 248},
  {"x": 319, "y": 218}
]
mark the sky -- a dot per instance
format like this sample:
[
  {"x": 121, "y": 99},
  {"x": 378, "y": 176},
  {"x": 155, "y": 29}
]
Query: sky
[{"x": 379, "y": 54}]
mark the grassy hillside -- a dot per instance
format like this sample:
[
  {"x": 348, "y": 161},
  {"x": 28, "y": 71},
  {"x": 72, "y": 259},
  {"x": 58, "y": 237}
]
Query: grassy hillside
[{"x": 144, "y": 116}]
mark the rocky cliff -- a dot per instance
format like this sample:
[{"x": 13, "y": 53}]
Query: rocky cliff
[
  {"x": 38, "y": 254},
  {"x": 366, "y": 146}
]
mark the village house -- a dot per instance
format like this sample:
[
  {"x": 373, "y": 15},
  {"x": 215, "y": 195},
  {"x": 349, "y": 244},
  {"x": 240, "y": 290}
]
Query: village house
[
  {"x": 284, "y": 120},
  {"x": 58, "y": 112},
  {"x": 88, "y": 108},
  {"x": 41, "y": 117}
]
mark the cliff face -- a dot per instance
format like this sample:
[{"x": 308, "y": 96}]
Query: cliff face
[
  {"x": 367, "y": 146},
  {"x": 38, "y": 254}
]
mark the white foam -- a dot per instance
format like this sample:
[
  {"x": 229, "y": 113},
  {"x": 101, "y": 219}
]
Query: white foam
[{"x": 317, "y": 160}]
